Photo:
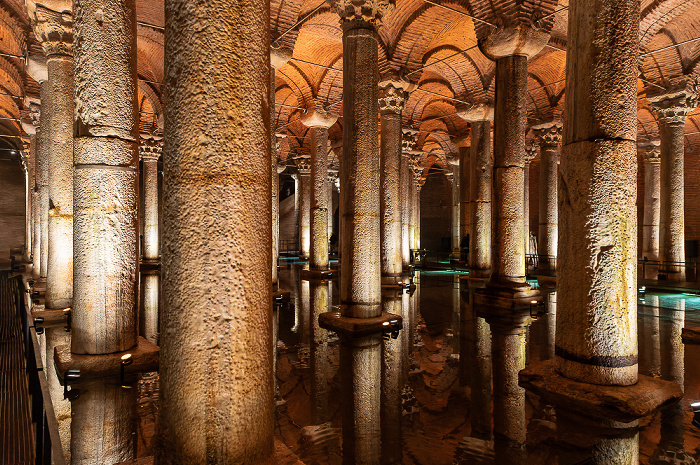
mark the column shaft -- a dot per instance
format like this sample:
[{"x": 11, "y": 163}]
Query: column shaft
[
  {"x": 465, "y": 182},
  {"x": 456, "y": 208},
  {"x": 508, "y": 158},
  {"x": 304, "y": 191},
  {"x": 43, "y": 168},
  {"x": 390, "y": 196},
  {"x": 275, "y": 181},
  {"x": 652, "y": 211},
  {"x": 405, "y": 181},
  {"x": 360, "y": 285},
  {"x": 549, "y": 203},
  {"x": 318, "y": 259},
  {"x": 481, "y": 173},
  {"x": 216, "y": 324},
  {"x": 150, "y": 214},
  {"x": 596, "y": 333},
  {"x": 526, "y": 207},
  {"x": 672, "y": 220},
  {"x": 36, "y": 206}
]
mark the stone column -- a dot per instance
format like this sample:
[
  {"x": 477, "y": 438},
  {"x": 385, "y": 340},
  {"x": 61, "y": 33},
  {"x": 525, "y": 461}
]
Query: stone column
[
  {"x": 36, "y": 210},
  {"x": 596, "y": 333},
  {"x": 464, "y": 200},
  {"x": 43, "y": 171},
  {"x": 149, "y": 152},
  {"x": 319, "y": 121},
  {"x": 480, "y": 187},
  {"x": 392, "y": 97},
  {"x": 279, "y": 169},
  {"x": 416, "y": 187},
  {"x": 671, "y": 109},
  {"x": 393, "y": 380},
  {"x": 549, "y": 137},
  {"x": 456, "y": 204},
  {"x": 529, "y": 156},
  {"x": 304, "y": 194},
  {"x": 216, "y": 325},
  {"x": 105, "y": 226},
  {"x": 511, "y": 47},
  {"x": 408, "y": 144},
  {"x": 652, "y": 200}
]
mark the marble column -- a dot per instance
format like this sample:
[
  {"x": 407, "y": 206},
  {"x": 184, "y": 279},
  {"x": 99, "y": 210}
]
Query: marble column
[
  {"x": 510, "y": 47},
  {"x": 408, "y": 144},
  {"x": 392, "y": 97},
  {"x": 652, "y": 200},
  {"x": 43, "y": 184},
  {"x": 671, "y": 109},
  {"x": 149, "y": 152},
  {"x": 549, "y": 138},
  {"x": 416, "y": 187},
  {"x": 319, "y": 121},
  {"x": 596, "y": 332},
  {"x": 216, "y": 339},
  {"x": 456, "y": 204},
  {"x": 529, "y": 156},
  {"x": 304, "y": 193},
  {"x": 464, "y": 198},
  {"x": 480, "y": 186},
  {"x": 36, "y": 207},
  {"x": 105, "y": 226}
]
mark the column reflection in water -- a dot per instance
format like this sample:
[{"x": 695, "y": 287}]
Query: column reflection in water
[
  {"x": 58, "y": 336},
  {"x": 671, "y": 448},
  {"x": 103, "y": 426},
  {"x": 649, "y": 341},
  {"x": 150, "y": 299}
]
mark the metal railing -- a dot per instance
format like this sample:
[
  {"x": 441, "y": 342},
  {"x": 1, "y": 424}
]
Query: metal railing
[
  {"x": 48, "y": 443},
  {"x": 668, "y": 270}
]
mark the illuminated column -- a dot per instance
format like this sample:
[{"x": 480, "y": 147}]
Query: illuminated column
[
  {"x": 393, "y": 380},
  {"x": 106, "y": 177},
  {"x": 304, "y": 194},
  {"x": 279, "y": 169},
  {"x": 671, "y": 109},
  {"x": 456, "y": 203},
  {"x": 216, "y": 324},
  {"x": 34, "y": 182},
  {"x": 418, "y": 182},
  {"x": 149, "y": 152},
  {"x": 652, "y": 200},
  {"x": 318, "y": 120},
  {"x": 549, "y": 137},
  {"x": 480, "y": 187},
  {"x": 55, "y": 32},
  {"x": 408, "y": 143},
  {"x": 392, "y": 97},
  {"x": 464, "y": 198},
  {"x": 529, "y": 156},
  {"x": 43, "y": 184}
]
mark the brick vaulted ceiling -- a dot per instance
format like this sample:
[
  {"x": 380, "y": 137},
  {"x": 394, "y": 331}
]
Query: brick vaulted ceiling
[{"x": 432, "y": 43}]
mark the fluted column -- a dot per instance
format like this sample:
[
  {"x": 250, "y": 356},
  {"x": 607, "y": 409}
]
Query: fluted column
[
  {"x": 481, "y": 191},
  {"x": 529, "y": 156},
  {"x": 596, "y": 333},
  {"x": 216, "y": 340},
  {"x": 392, "y": 97},
  {"x": 319, "y": 121},
  {"x": 671, "y": 109},
  {"x": 408, "y": 144},
  {"x": 549, "y": 138},
  {"x": 149, "y": 152},
  {"x": 652, "y": 200},
  {"x": 55, "y": 32},
  {"x": 304, "y": 194}
]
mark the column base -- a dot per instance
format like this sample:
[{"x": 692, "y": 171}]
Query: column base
[
  {"x": 309, "y": 274},
  {"x": 619, "y": 403},
  {"x": 402, "y": 281},
  {"x": 149, "y": 265},
  {"x": 51, "y": 317},
  {"x": 353, "y": 328},
  {"x": 502, "y": 298},
  {"x": 144, "y": 356},
  {"x": 547, "y": 281}
]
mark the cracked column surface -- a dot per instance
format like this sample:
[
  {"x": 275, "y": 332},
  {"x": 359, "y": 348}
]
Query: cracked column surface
[
  {"x": 510, "y": 45},
  {"x": 480, "y": 187},
  {"x": 105, "y": 224},
  {"x": 392, "y": 97},
  {"x": 549, "y": 137},
  {"x": 529, "y": 156},
  {"x": 596, "y": 332},
  {"x": 360, "y": 270},
  {"x": 671, "y": 109},
  {"x": 55, "y": 32},
  {"x": 304, "y": 194},
  {"x": 652, "y": 200},
  {"x": 149, "y": 152},
  {"x": 319, "y": 121},
  {"x": 216, "y": 374},
  {"x": 408, "y": 143},
  {"x": 43, "y": 182}
]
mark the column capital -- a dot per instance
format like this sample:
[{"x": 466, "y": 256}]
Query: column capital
[
  {"x": 279, "y": 57},
  {"x": 318, "y": 117},
  {"x": 530, "y": 153},
  {"x": 548, "y": 134},
  {"x": 53, "y": 29},
  {"x": 303, "y": 166},
  {"x": 673, "y": 105},
  {"x": 150, "y": 149},
  {"x": 409, "y": 139},
  {"x": 392, "y": 96},
  {"x": 651, "y": 151},
  {"x": 512, "y": 37},
  {"x": 475, "y": 111},
  {"x": 362, "y": 13}
]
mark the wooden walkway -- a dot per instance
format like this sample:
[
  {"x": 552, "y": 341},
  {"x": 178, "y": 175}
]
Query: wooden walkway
[{"x": 16, "y": 434}]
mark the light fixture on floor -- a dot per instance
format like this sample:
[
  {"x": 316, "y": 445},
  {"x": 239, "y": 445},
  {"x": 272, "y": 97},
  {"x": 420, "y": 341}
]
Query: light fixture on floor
[
  {"x": 68, "y": 377},
  {"x": 125, "y": 361},
  {"x": 696, "y": 414}
]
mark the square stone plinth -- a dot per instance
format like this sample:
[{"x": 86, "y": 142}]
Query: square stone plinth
[
  {"x": 144, "y": 356},
  {"x": 149, "y": 265},
  {"x": 618, "y": 403},
  {"x": 353, "y": 328},
  {"x": 51, "y": 317},
  {"x": 319, "y": 275},
  {"x": 691, "y": 335}
]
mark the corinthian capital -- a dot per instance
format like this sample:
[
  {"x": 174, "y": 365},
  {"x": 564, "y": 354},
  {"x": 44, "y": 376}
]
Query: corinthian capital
[
  {"x": 651, "y": 151},
  {"x": 150, "y": 149},
  {"x": 304, "y": 165},
  {"x": 672, "y": 106},
  {"x": 408, "y": 141},
  {"x": 392, "y": 96},
  {"x": 548, "y": 134},
  {"x": 53, "y": 29},
  {"x": 361, "y": 13},
  {"x": 530, "y": 152}
]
